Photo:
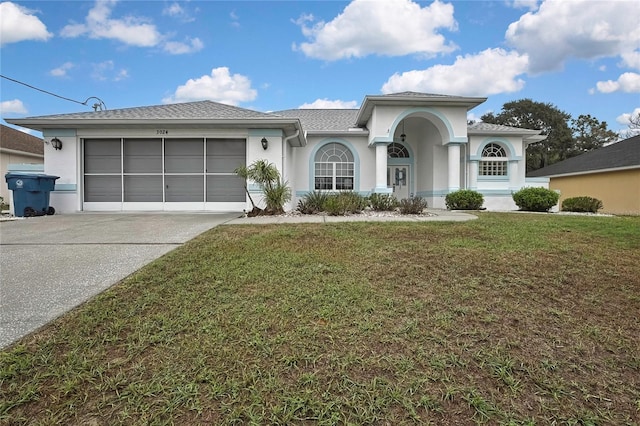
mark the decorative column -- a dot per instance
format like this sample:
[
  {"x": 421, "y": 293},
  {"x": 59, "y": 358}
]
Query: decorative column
[
  {"x": 381, "y": 170},
  {"x": 473, "y": 174},
  {"x": 513, "y": 174},
  {"x": 454, "y": 166}
]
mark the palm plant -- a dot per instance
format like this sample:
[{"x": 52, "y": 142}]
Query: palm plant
[{"x": 266, "y": 175}]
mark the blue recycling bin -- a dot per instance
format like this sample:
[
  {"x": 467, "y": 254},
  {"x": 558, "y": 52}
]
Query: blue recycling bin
[{"x": 31, "y": 193}]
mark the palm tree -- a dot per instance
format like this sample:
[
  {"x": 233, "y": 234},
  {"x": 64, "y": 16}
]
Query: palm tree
[
  {"x": 243, "y": 172},
  {"x": 266, "y": 175}
]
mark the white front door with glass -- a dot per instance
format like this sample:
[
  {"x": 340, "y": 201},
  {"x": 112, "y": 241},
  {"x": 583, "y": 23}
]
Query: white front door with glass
[{"x": 398, "y": 179}]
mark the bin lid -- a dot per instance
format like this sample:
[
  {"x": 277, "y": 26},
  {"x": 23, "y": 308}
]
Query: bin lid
[{"x": 29, "y": 175}]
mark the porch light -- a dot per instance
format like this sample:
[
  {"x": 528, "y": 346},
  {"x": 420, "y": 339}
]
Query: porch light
[
  {"x": 56, "y": 143},
  {"x": 403, "y": 136},
  {"x": 265, "y": 143}
]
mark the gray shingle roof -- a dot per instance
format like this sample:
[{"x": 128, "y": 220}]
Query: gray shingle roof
[
  {"x": 622, "y": 154},
  {"x": 488, "y": 127},
  {"x": 322, "y": 119},
  {"x": 16, "y": 140},
  {"x": 188, "y": 110}
]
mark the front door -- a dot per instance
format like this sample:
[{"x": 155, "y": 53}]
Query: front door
[{"x": 398, "y": 179}]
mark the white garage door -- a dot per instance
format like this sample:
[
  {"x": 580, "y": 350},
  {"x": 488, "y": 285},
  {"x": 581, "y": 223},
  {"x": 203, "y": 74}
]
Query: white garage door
[{"x": 163, "y": 174}]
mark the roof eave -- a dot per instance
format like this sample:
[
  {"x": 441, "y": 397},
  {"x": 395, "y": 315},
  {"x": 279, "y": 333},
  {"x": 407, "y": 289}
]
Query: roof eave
[
  {"x": 370, "y": 102},
  {"x": 590, "y": 172}
]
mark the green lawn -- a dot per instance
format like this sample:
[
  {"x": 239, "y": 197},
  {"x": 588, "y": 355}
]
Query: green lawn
[{"x": 508, "y": 319}]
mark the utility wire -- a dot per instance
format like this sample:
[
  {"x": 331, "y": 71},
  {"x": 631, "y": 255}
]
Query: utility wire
[{"x": 95, "y": 106}]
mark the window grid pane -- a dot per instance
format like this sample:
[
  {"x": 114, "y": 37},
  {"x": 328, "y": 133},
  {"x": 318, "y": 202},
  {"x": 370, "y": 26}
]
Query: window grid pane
[{"x": 493, "y": 168}]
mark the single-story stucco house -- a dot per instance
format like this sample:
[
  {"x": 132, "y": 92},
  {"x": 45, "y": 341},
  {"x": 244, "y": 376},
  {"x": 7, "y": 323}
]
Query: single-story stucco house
[
  {"x": 611, "y": 174},
  {"x": 182, "y": 156},
  {"x": 18, "y": 151}
]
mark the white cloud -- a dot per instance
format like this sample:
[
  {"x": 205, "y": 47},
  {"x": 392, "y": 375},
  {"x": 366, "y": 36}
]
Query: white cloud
[
  {"x": 176, "y": 11},
  {"x": 624, "y": 118},
  {"x": 629, "y": 82},
  {"x": 17, "y": 23},
  {"x": 525, "y": 4},
  {"x": 61, "y": 71},
  {"x": 631, "y": 59},
  {"x": 490, "y": 72},
  {"x": 329, "y": 104},
  {"x": 179, "y": 48},
  {"x": 134, "y": 31},
  {"x": 219, "y": 86},
  {"x": 582, "y": 29},
  {"x": 14, "y": 106},
  {"x": 106, "y": 71},
  {"x": 390, "y": 27}
]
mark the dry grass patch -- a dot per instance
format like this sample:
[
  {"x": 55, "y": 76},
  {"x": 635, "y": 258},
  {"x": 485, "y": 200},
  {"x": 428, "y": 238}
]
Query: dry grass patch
[{"x": 510, "y": 319}]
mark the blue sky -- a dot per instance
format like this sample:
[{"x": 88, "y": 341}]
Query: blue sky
[{"x": 583, "y": 56}]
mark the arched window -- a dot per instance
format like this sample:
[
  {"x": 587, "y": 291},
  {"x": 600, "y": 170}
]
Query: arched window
[
  {"x": 494, "y": 161},
  {"x": 397, "y": 150},
  {"x": 334, "y": 168}
]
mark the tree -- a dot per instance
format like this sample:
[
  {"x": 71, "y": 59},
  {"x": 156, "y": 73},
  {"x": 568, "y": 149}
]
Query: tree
[
  {"x": 546, "y": 117},
  {"x": 590, "y": 134},
  {"x": 276, "y": 191},
  {"x": 243, "y": 172},
  {"x": 634, "y": 125}
]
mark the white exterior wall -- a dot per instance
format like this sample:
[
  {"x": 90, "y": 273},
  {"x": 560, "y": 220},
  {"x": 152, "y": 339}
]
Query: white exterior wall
[{"x": 66, "y": 164}]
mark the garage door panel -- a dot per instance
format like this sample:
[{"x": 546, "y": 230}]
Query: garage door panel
[
  {"x": 142, "y": 188},
  {"x": 102, "y": 189},
  {"x": 225, "y": 155},
  {"x": 225, "y": 188},
  {"x": 184, "y": 156},
  {"x": 102, "y": 156},
  {"x": 184, "y": 189},
  {"x": 143, "y": 156}
]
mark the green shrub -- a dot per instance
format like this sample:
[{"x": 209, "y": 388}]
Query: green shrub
[
  {"x": 412, "y": 205},
  {"x": 581, "y": 204},
  {"x": 276, "y": 195},
  {"x": 535, "y": 199},
  {"x": 464, "y": 199},
  {"x": 313, "y": 202},
  {"x": 383, "y": 202},
  {"x": 344, "y": 203}
]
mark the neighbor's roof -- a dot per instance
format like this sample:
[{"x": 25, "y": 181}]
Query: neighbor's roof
[
  {"x": 15, "y": 140},
  {"x": 620, "y": 155}
]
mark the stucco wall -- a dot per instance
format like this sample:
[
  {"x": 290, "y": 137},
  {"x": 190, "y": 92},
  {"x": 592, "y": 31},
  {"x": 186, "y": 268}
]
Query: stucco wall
[{"x": 619, "y": 191}]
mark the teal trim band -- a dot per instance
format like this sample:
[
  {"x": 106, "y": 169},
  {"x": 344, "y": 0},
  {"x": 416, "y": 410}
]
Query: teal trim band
[
  {"x": 60, "y": 133},
  {"x": 25, "y": 168},
  {"x": 495, "y": 192},
  {"x": 265, "y": 132},
  {"x": 65, "y": 187},
  {"x": 383, "y": 190},
  {"x": 493, "y": 178},
  {"x": 436, "y": 193},
  {"x": 536, "y": 180}
]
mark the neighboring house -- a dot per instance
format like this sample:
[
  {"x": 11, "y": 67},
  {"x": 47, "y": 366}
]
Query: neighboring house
[
  {"x": 610, "y": 174},
  {"x": 182, "y": 156},
  {"x": 17, "y": 148}
]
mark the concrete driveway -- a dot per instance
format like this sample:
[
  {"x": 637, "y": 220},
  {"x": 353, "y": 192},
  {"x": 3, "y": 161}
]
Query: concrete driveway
[{"x": 50, "y": 264}]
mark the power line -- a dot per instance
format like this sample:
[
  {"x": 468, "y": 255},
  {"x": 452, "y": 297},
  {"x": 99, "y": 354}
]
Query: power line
[{"x": 100, "y": 105}]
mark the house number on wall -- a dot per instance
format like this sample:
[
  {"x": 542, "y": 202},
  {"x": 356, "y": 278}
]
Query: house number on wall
[{"x": 162, "y": 132}]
